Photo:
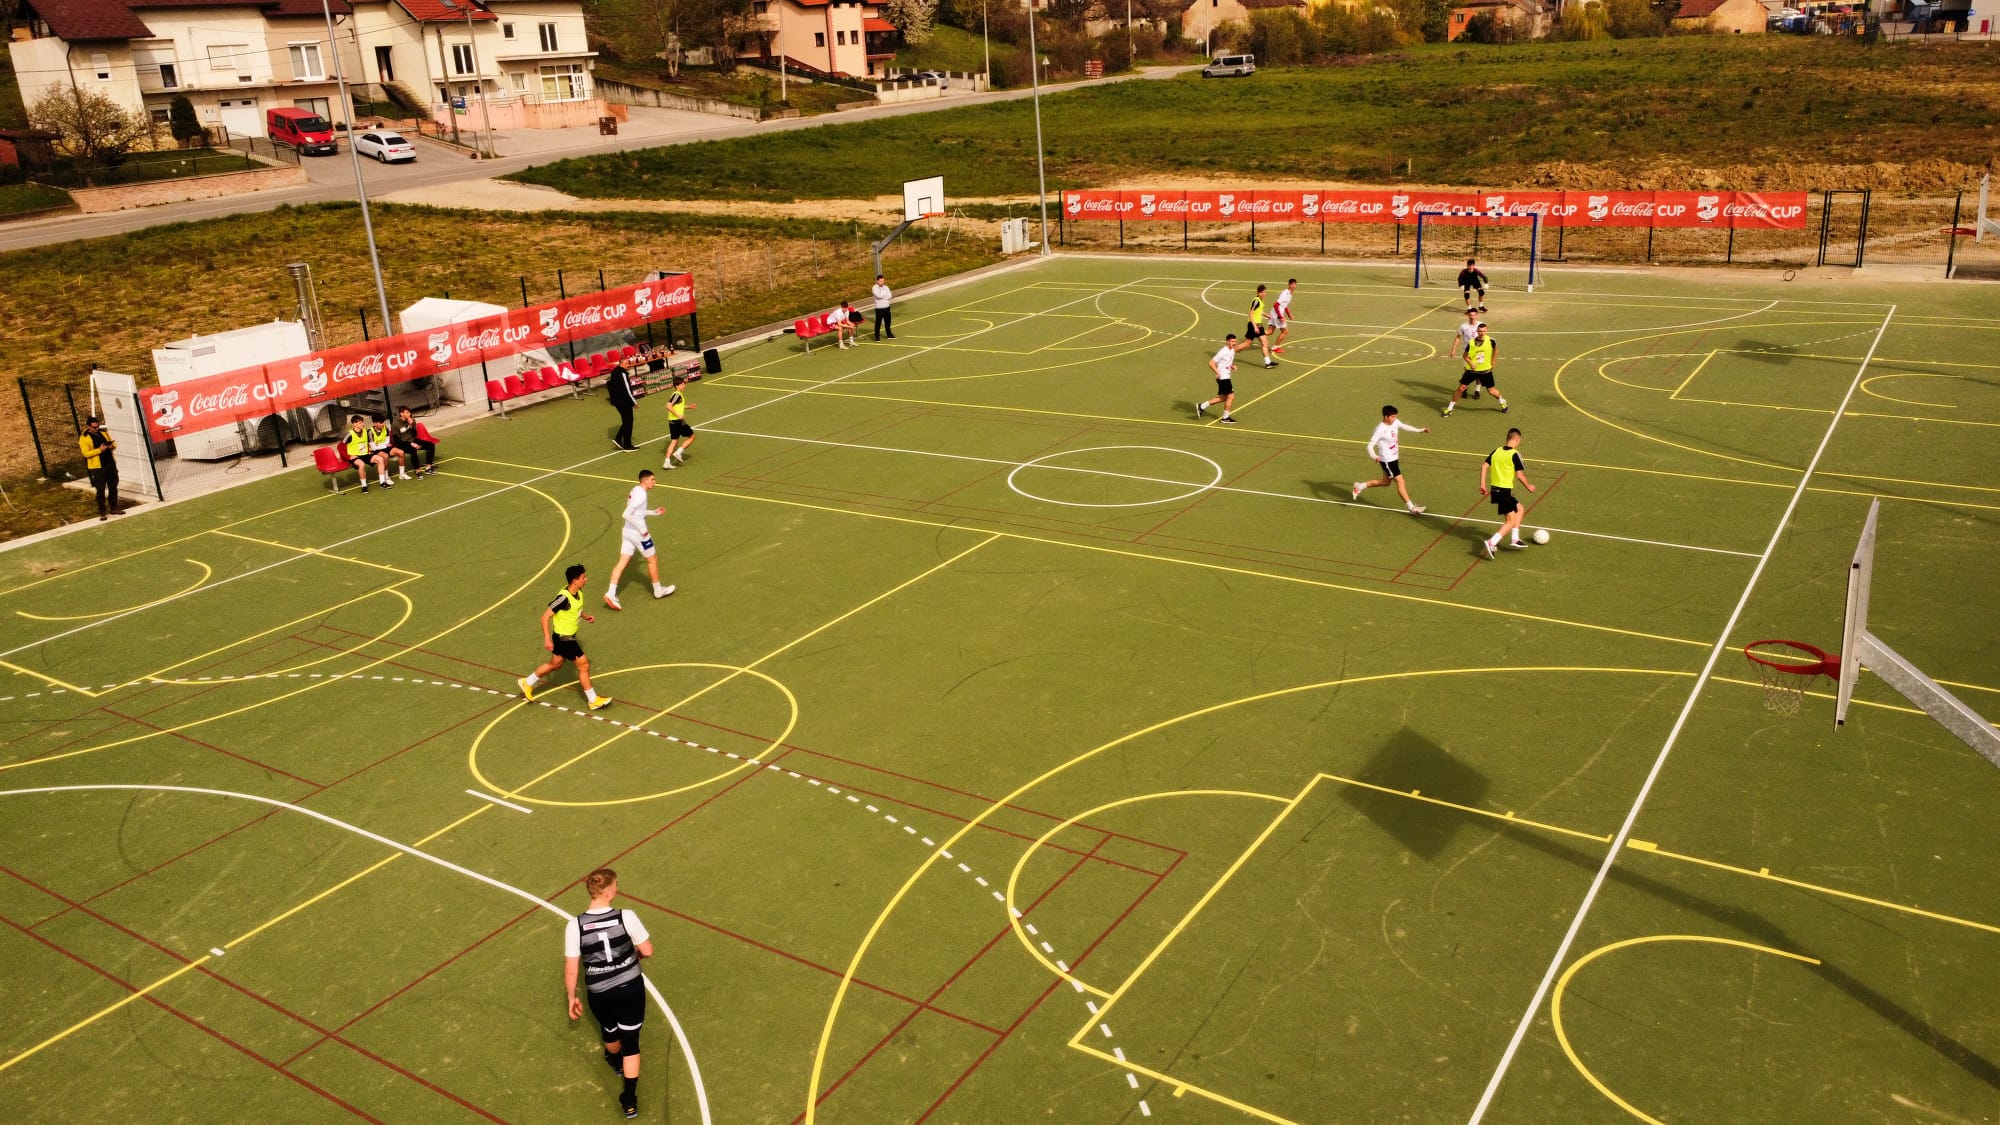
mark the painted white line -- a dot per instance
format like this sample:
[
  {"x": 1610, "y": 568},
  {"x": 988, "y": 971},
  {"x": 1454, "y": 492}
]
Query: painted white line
[
  {"x": 1133, "y": 1079},
  {"x": 1144, "y": 1109},
  {"x": 1192, "y": 490},
  {"x": 1047, "y": 948},
  {"x": 1032, "y": 930},
  {"x": 673, "y": 1021},
  {"x": 1092, "y": 1005},
  {"x": 498, "y": 801},
  {"x": 1105, "y": 1028},
  {"x": 1721, "y": 645},
  {"x": 1118, "y": 1053},
  {"x": 213, "y": 952}
]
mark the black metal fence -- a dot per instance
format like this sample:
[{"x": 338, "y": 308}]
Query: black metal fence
[{"x": 55, "y": 421}]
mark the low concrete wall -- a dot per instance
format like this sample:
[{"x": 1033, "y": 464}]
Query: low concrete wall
[
  {"x": 620, "y": 93},
  {"x": 124, "y": 197}
]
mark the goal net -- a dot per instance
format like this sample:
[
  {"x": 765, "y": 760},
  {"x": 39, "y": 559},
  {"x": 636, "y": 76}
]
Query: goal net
[{"x": 1507, "y": 248}]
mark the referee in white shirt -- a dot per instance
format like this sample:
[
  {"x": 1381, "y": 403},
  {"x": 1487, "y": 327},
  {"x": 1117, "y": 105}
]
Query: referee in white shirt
[
  {"x": 607, "y": 945},
  {"x": 883, "y": 299}
]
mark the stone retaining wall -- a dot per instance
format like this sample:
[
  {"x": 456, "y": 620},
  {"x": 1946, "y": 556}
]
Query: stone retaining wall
[{"x": 152, "y": 193}]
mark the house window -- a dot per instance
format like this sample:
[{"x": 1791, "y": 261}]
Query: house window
[
  {"x": 169, "y": 78},
  {"x": 563, "y": 83},
  {"x": 520, "y": 82},
  {"x": 819, "y": 38},
  {"x": 761, "y": 7},
  {"x": 101, "y": 64},
  {"x": 161, "y": 116},
  {"x": 306, "y": 62},
  {"x": 507, "y": 31},
  {"x": 548, "y": 32},
  {"x": 461, "y": 58}
]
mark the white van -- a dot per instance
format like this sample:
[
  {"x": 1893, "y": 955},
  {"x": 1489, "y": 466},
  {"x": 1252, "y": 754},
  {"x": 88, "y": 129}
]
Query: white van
[{"x": 1230, "y": 66}]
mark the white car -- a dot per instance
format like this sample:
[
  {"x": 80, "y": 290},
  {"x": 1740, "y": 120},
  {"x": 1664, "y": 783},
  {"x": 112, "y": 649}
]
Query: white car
[{"x": 385, "y": 146}]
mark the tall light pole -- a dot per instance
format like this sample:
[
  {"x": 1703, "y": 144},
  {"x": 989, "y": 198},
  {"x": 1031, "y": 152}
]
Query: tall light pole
[
  {"x": 360, "y": 189},
  {"x": 986, "y": 42},
  {"x": 472, "y": 45},
  {"x": 1035, "y": 79}
]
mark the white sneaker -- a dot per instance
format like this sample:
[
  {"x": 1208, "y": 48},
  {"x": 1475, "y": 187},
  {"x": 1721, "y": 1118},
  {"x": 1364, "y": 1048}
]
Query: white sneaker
[
  {"x": 611, "y": 600},
  {"x": 401, "y": 475},
  {"x": 662, "y": 591},
  {"x": 681, "y": 456},
  {"x": 1417, "y": 509},
  {"x": 667, "y": 464},
  {"x": 1358, "y": 487}
]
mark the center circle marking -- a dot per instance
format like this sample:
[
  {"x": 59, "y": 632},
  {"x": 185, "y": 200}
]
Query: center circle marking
[{"x": 1041, "y": 462}]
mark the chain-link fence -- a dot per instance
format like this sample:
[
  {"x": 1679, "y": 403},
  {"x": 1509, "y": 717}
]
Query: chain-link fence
[{"x": 55, "y": 414}]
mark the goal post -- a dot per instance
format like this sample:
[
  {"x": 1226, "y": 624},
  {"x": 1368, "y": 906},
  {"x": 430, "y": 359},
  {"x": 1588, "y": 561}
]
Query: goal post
[
  {"x": 1987, "y": 224},
  {"x": 1510, "y": 244}
]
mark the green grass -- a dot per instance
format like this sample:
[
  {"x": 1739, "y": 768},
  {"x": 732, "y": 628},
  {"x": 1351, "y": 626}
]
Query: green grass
[
  {"x": 954, "y": 49},
  {"x": 1453, "y": 115},
  {"x": 746, "y": 86},
  {"x": 142, "y": 167},
  {"x": 1304, "y": 788},
  {"x": 18, "y": 199},
  {"x": 13, "y": 115}
]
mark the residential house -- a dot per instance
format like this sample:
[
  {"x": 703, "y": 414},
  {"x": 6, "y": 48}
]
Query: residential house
[
  {"x": 1741, "y": 17},
  {"x": 1201, "y": 17},
  {"x": 843, "y": 37},
  {"x": 527, "y": 60},
  {"x": 1529, "y": 19}
]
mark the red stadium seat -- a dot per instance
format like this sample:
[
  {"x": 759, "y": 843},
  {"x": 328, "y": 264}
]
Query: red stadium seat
[
  {"x": 533, "y": 381},
  {"x": 331, "y": 462},
  {"x": 550, "y": 376},
  {"x": 516, "y": 386},
  {"x": 628, "y": 352},
  {"x": 496, "y": 391}
]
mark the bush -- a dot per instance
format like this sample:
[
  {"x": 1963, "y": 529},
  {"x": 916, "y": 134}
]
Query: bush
[
  {"x": 1115, "y": 48},
  {"x": 1228, "y": 36},
  {"x": 181, "y": 120},
  {"x": 1284, "y": 37},
  {"x": 1066, "y": 49},
  {"x": 1633, "y": 19}
]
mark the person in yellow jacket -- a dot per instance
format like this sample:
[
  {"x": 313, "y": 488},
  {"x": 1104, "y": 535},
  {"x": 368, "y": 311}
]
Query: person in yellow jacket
[
  {"x": 559, "y": 626},
  {"x": 680, "y": 435},
  {"x": 1497, "y": 475},
  {"x": 97, "y": 446},
  {"x": 1480, "y": 352},
  {"x": 359, "y": 448}
]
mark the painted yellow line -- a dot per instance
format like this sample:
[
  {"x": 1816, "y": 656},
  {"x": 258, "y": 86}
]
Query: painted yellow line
[
  {"x": 409, "y": 609},
  {"x": 1906, "y": 480},
  {"x": 1556, "y": 999},
  {"x": 1014, "y": 917},
  {"x": 919, "y": 319},
  {"x": 1868, "y": 390},
  {"x": 118, "y": 558},
  {"x": 1504, "y": 817},
  {"x": 101, "y": 1013},
  {"x": 320, "y": 553},
  {"x": 1245, "y": 572},
  {"x": 1649, "y": 848},
  {"x": 206, "y": 572},
  {"x": 52, "y": 682},
  {"x": 1386, "y": 333},
  {"x": 1181, "y": 1086},
  {"x": 1692, "y": 374},
  {"x": 1922, "y": 418}
]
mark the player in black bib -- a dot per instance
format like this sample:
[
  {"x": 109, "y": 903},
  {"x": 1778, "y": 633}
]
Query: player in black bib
[
  {"x": 605, "y": 946},
  {"x": 1471, "y": 280}
]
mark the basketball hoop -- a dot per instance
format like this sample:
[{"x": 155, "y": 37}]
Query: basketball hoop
[{"x": 1786, "y": 674}]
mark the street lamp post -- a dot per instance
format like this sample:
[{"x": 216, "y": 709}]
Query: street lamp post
[
  {"x": 472, "y": 45},
  {"x": 1035, "y": 80},
  {"x": 360, "y": 189},
  {"x": 986, "y": 42}
]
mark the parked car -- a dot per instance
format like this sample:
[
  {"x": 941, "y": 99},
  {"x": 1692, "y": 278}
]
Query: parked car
[
  {"x": 385, "y": 145},
  {"x": 931, "y": 78},
  {"x": 1230, "y": 66},
  {"x": 301, "y": 129}
]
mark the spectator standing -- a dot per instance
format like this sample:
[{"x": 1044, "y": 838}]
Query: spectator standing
[
  {"x": 97, "y": 446},
  {"x": 883, "y": 299},
  {"x": 619, "y": 390}
]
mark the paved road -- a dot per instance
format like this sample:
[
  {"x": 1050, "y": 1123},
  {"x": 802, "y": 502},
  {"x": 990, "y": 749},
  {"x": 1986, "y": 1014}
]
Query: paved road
[{"x": 332, "y": 177}]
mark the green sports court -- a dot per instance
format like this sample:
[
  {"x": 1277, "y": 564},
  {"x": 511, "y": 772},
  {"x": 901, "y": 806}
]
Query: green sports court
[{"x": 1020, "y": 747}]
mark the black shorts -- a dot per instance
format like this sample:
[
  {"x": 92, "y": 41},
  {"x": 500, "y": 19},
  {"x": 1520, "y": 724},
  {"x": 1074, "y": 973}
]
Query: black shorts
[
  {"x": 1483, "y": 378},
  {"x": 566, "y": 647},
  {"x": 1225, "y": 387},
  {"x": 678, "y": 428},
  {"x": 1254, "y": 332},
  {"x": 360, "y": 464},
  {"x": 1503, "y": 499},
  {"x": 621, "y": 1012},
  {"x": 1391, "y": 468}
]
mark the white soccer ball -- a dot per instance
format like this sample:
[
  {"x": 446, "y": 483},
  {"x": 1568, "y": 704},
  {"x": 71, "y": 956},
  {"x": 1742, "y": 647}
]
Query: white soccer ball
[{"x": 1541, "y": 535}]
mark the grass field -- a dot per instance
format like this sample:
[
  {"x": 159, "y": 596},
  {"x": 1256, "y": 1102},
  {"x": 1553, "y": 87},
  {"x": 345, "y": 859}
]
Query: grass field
[
  {"x": 1763, "y": 112},
  {"x": 1019, "y": 747}
]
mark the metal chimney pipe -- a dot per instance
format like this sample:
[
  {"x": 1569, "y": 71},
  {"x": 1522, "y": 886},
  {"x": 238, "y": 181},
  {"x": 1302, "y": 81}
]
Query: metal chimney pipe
[{"x": 302, "y": 284}]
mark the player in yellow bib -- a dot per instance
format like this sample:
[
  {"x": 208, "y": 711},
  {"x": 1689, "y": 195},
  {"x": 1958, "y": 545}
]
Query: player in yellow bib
[
  {"x": 1497, "y": 475},
  {"x": 1258, "y": 330},
  {"x": 680, "y": 435},
  {"x": 559, "y": 626},
  {"x": 1480, "y": 353}
]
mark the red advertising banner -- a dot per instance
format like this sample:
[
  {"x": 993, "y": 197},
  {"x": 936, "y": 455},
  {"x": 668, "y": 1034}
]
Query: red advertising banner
[
  {"x": 1689, "y": 209},
  {"x": 333, "y": 373}
]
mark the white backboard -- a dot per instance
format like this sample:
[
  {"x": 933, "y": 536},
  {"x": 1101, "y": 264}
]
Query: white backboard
[{"x": 923, "y": 198}]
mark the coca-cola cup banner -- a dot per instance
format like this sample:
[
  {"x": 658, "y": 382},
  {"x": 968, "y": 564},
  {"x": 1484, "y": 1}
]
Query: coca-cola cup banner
[
  {"x": 1719, "y": 210},
  {"x": 334, "y": 373}
]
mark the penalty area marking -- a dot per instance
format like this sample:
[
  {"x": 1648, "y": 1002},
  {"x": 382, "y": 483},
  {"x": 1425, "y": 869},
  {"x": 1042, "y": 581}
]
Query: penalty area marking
[
  {"x": 673, "y": 1021},
  {"x": 1193, "y": 490},
  {"x": 499, "y": 801}
]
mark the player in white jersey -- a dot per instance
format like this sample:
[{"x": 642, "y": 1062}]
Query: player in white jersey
[
  {"x": 1466, "y": 332},
  {"x": 1223, "y": 363},
  {"x": 1281, "y": 315},
  {"x": 637, "y": 541},
  {"x": 1387, "y": 450}
]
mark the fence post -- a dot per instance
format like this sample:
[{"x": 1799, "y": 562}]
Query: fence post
[
  {"x": 69, "y": 395},
  {"x": 1253, "y": 236},
  {"x": 524, "y": 291},
  {"x": 1861, "y": 239},
  {"x": 1729, "y": 255},
  {"x": 152, "y": 462},
  {"x": 364, "y": 322},
  {"x": 32, "y": 431},
  {"x": 1951, "y": 240}
]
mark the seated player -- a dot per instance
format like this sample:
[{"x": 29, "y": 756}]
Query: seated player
[{"x": 358, "y": 448}]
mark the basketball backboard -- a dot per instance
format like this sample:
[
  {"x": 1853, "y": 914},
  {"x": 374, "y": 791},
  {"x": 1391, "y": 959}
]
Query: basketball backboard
[
  {"x": 923, "y": 199},
  {"x": 1860, "y": 574}
]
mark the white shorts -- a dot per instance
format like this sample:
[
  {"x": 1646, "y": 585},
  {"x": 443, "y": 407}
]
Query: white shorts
[{"x": 638, "y": 544}]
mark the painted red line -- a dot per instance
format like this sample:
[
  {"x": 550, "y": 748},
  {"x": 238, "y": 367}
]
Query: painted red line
[
  {"x": 428, "y": 974},
  {"x": 994, "y": 471},
  {"x": 1208, "y": 492},
  {"x": 171, "y": 733},
  {"x": 1442, "y": 536},
  {"x": 994, "y": 1046},
  {"x": 194, "y": 1023},
  {"x": 1005, "y": 931},
  {"x": 1540, "y": 496},
  {"x": 811, "y": 964},
  {"x": 803, "y": 454},
  {"x": 206, "y": 971},
  {"x": 444, "y": 656}
]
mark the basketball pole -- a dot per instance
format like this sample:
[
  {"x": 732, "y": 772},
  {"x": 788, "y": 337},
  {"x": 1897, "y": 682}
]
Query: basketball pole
[{"x": 1041, "y": 174}]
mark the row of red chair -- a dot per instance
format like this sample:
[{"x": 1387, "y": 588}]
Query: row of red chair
[
  {"x": 806, "y": 328},
  {"x": 331, "y": 460},
  {"x": 562, "y": 376}
]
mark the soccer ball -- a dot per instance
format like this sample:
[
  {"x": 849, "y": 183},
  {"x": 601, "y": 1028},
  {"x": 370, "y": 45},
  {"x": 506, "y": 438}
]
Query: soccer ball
[{"x": 1541, "y": 535}]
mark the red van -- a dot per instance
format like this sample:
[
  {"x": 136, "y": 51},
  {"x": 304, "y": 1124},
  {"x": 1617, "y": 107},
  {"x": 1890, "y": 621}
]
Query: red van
[{"x": 301, "y": 129}]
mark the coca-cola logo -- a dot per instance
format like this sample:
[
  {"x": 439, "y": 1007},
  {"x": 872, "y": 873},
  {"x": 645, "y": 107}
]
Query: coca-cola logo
[
  {"x": 1636, "y": 210},
  {"x": 231, "y": 398},
  {"x": 680, "y": 297},
  {"x": 363, "y": 367},
  {"x": 313, "y": 371},
  {"x": 1174, "y": 206},
  {"x": 439, "y": 344}
]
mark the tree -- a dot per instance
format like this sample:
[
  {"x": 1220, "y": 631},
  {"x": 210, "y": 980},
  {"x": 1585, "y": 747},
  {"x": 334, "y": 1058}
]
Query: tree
[
  {"x": 914, "y": 18},
  {"x": 91, "y": 129},
  {"x": 669, "y": 23},
  {"x": 181, "y": 121}
]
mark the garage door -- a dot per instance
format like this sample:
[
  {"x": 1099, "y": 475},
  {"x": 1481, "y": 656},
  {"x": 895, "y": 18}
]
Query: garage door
[{"x": 241, "y": 118}]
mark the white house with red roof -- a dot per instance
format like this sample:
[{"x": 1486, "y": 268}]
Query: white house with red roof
[
  {"x": 835, "y": 36},
  {"x": 527, "y": 61}
]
